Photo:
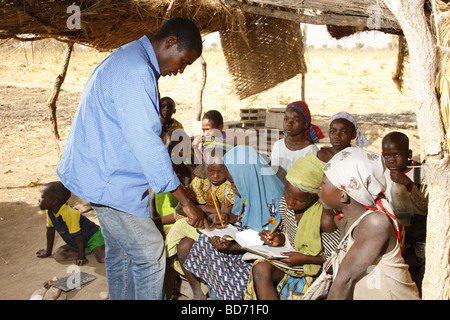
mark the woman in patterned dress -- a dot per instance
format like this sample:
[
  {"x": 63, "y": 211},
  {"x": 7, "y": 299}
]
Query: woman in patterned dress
[{"x": 370, "y": 263}]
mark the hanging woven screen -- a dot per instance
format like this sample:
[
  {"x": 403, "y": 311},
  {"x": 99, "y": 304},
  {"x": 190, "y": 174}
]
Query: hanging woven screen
[{"x": 266, "y": 53}]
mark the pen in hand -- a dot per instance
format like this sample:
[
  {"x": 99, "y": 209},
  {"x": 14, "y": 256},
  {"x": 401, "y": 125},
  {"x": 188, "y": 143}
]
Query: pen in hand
[{"x": 217, "y": 209}]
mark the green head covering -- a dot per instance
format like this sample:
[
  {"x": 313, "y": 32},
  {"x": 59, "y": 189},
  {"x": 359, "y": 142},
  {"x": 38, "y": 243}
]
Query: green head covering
[{"x": 306, "y": 173}]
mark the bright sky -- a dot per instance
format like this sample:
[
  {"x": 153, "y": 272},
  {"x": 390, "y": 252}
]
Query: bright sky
[{"x": 317, "y": 36}]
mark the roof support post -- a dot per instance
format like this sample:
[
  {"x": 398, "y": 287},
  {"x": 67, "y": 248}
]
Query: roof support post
[
  {"x": 56, "y": 90},
  {"x": 434, "y": 150}
]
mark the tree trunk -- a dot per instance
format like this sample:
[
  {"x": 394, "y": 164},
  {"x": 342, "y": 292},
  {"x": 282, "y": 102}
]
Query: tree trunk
[{"x": 434, "y": 150}]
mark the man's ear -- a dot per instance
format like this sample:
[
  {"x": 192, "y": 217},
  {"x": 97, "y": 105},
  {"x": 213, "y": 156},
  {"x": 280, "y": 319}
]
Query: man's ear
[
  {"x": 345, "y": 198},
  {"x": 171, "y": 41},
  {"x": 409, "y": 154}
]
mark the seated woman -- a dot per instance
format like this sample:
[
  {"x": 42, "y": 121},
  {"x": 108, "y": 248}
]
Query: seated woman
[
  {"x": 370, "y": 263},
  {"x": 315, "y": 237},
  {"x": 257, "y": 191},
  {"x": 343, "y": 129},
  {"x": 301, "y": 137}
]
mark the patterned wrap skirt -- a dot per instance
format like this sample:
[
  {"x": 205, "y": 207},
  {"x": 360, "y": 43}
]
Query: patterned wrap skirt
[
  {"x": 225, "y": 274},
  {"x": 292, "y": 287}
]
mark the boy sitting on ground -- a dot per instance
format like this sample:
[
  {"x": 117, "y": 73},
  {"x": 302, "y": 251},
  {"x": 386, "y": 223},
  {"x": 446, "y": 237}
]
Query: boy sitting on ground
[{"x": 77, "y": 231}]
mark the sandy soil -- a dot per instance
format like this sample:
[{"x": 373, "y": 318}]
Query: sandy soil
[{"x": 357, "y": 81}]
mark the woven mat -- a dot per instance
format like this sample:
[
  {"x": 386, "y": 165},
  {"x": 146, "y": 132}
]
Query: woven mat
[{"x": 267, "y": 53}]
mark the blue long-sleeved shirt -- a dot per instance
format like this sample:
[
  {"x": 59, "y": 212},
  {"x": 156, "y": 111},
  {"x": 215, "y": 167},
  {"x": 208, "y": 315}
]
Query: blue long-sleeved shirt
[{"x": 114, "y": 151}]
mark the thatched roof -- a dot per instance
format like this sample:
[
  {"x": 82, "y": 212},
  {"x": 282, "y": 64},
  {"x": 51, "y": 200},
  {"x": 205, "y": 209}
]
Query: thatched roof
[
  {"x": 106, "y": 24},
  {"x": 259, "y": 37}
]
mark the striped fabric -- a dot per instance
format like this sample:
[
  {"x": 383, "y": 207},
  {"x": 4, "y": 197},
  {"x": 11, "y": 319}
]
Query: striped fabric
[{"x": 330, "y": 241}]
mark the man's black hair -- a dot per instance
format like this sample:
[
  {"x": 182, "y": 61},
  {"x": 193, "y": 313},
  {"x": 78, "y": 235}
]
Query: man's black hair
[{"x": 187, "y": 33}]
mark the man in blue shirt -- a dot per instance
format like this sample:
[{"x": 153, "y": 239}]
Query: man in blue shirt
[{"x": 114, "y": 153}]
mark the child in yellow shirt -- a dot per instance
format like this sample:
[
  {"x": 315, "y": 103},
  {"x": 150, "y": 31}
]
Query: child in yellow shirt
[{"x": 77, "y": 231}]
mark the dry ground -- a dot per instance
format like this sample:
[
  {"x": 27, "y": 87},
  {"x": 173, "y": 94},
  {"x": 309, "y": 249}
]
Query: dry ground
[{"x": 357, "y": 81}]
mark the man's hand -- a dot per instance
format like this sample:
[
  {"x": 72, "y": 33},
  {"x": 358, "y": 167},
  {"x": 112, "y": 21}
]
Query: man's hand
[{"x": 195, "y": 216}]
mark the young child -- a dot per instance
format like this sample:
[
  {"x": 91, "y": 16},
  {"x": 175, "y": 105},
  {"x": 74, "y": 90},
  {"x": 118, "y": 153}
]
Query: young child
[
  {"x": 307, "y": 227},
  {"x": 207, "y": 193},
  {"x": 403, "y": 171},
  {"x": 369, "y": 258},
  {"x": 77, "y": 231},
  {"x": 212, "y": 132},
  {"x": 166, "y": 111},
  {"x": 299, "y": 141},
  {"x": 164, "y": 204},
  {"x": 408, "y": 197},
  {"x": 343, "y": 129}
]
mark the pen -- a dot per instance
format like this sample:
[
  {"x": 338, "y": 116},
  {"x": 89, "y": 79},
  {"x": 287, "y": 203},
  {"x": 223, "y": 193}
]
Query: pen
[
  {"x": 217, "y": 209},
  {"x": 274, "y": 227}
]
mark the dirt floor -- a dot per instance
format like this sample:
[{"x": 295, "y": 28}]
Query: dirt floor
[{"x": 357, "y": 81}]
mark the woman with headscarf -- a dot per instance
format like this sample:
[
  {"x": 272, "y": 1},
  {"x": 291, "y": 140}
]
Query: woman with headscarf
[
  {"x": 257, "y": 191},
  {"x": 307, "y": 228},
  {"x": 300, "y": 138},
  {"x": 343, "y": 129},
  {"x": 370, "y": 263}
]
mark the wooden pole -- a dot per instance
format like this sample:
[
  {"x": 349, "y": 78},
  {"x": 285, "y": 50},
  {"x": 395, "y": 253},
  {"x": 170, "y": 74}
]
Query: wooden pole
[
  {"x": 434, "y": 150},
  {"x": 51, "y": 103},
  {"x": 322, "y": 19},
  {"x": 202, "y": 88},
  {"x": 303, "y": 59}
]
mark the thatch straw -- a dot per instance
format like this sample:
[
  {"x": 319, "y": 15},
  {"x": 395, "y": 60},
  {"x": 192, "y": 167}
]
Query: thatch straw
[
  {"x": 402, "y": 54},
  {"x": 105, "y": 24}
]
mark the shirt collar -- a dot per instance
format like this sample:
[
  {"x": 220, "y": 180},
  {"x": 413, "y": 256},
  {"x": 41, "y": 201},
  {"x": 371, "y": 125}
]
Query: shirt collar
[
  {"x": 411, "y": 164},
  {"x": 145, "y": 42}
]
